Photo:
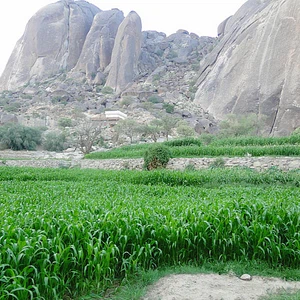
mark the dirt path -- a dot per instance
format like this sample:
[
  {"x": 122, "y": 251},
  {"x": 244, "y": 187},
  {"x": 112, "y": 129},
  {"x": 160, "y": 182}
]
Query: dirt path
[{"x": 216, "y": 287}]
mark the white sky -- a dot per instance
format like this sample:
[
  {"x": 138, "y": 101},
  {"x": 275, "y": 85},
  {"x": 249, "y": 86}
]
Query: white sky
[{"x": 199, "y": 16}]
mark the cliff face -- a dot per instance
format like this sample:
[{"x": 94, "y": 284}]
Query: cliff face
[
  {"x": 52, "y": 41},
  {"x": 126, "y": 53},
  {"x": 255, "y": 66}
]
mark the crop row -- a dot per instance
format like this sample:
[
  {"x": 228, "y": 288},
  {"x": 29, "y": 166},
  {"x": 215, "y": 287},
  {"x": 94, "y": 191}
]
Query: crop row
[
  {"x": 201, "y": 151},
  {"x": 205, "y": 177},
  {"x": 64, "y": 237}
]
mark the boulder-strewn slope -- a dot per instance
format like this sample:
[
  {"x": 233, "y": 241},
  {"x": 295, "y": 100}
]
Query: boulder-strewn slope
[{"x": 255, "y": 68}]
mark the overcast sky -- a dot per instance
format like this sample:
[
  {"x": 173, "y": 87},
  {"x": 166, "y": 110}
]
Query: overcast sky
[{"x": 199, "y": 16}]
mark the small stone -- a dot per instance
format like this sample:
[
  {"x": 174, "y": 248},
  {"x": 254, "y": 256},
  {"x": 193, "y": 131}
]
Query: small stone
[{"x": 246, "y": 277}]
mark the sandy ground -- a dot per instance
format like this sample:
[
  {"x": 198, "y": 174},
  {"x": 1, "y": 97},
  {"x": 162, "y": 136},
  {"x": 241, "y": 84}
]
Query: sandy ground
[{"x": 216, "y": 287}]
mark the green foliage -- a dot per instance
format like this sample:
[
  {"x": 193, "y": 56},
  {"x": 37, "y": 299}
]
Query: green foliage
[
  {"x": 296, "y": 132},
  {"x": 65, "y": 122},
  {"x": 26, "y": 96},
  {"x": 169, "y": 108},
  {"x": 256, "y": 141},
  {"x": 191, "y": 147},
  {"x": 167, "y": 124},
  {"x": 107, "y": 90},
  {"x": 65, "y": 232},
  {"x": 184, "y": 130},
  {"x": 189, "y": 141},
  {"x": 155, "y": 99},
  {"x": 18, "y": 137},
  {"x": 217, "y": 163},
  {"x": 129, "y": 128},
  {"x": 241, "y": 125},
  {"x": 54, "y": 141},
  {"x": 156, "y": 157},
  {"x": 172, "y": 54},
  {"x": 151, "y": 130},
  {"x": 207, "y": 138},
  {"x": 12, "y": 107},
  {"x": 126, "y": 101}
]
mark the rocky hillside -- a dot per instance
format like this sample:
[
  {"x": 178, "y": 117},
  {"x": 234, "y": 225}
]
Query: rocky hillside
[
  {"x": 73, "y": 58},
  {"x": 255, "y": 66}
]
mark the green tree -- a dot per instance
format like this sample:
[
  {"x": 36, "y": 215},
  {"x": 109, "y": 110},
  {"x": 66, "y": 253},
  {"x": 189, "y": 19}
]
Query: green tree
[
  {"x": 54, "y": 141},
  {"x": 65, "y": 122},
  {"x": 241, "y": 125},
  {"x": 184, "y": 129},
  {"x": 152, "y": 130},
  {"x": 129, "y": 128},
  {"x": 19, "y": 137},
  {"x": 167, "y": 124}
]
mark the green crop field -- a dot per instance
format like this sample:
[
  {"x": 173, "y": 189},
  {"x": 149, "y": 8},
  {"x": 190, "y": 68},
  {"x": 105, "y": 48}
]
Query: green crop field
[
  {"x": 65, "y": 233},
  {"x": 192, "y": 147}
]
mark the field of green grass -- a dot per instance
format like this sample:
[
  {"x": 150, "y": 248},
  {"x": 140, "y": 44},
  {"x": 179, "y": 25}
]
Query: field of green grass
[
  {"x": 192, "y": 147},
  {"x": 67, "y": 233}
]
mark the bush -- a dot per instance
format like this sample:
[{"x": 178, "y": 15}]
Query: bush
[
  {"x": 155, "y": 99},
  {"x": 65, "y": 122},
  {"x": 169, "y": 108},
  {"x": 217, "y": 163},
  {"x": 107, "y": 90},
  {"x": 54, "y": 141},
  {"x": 156, "y": 157},
  {"x": 18, "y": 137}
]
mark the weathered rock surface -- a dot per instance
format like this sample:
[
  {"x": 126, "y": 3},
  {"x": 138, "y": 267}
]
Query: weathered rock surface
[
  {"x": 255, "y": 66},
  {"x": 97, "y": 50},
  {"x": 126, "y": 53},
  {"x": 52, "y": 42}
]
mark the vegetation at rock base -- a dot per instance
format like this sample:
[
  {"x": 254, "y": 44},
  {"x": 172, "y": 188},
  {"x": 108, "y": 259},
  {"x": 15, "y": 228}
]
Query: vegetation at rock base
[{"x": 68, "y": 232}]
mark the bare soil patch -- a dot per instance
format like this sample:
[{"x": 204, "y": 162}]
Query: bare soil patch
[{"x": 217, "y": 287}]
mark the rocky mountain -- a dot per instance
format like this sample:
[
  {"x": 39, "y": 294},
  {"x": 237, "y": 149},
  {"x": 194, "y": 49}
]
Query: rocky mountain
[
  {"x": 74, "y": 57},
  {"x": 255, "y": 67}
]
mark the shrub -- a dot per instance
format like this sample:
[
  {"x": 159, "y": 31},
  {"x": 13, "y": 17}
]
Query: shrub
[
  {"x": 155, "y": 99},
  {"x": 156, "y": 157},
  {"x": 107, "y": 90},
  {"x": 65, "y": 122},
  {"x": 217, "y": 163},
  {"x": 169, "y": 108},
  {"x": 18, "y": 137},
  {"x": 54, "y": 141}
]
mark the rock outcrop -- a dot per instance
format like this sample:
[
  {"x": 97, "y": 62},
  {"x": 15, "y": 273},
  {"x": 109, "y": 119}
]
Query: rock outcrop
[
  {"x": 98, "y": 47},
  {"x": 255, "y": 66},
  {"x": 125, "y": 56},
  {"x": 52, "y": 42}
]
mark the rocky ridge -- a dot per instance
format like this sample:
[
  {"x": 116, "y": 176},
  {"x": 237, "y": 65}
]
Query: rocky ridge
[{"x": 100, "y": 60}]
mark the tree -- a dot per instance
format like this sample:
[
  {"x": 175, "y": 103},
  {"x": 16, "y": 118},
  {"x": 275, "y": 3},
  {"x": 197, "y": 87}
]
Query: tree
[
  {"x": 87, "y": 135},
  {"x": 128, "y": 127},
  {"x": 184, "y": 129},
  {"x": 167, "y": 124},
  {"x": 241, "y": 125},
  {"x": 152, "y": 130},
  {"x": 19, "y": 137},
  {"x": 54, "y": 141}
]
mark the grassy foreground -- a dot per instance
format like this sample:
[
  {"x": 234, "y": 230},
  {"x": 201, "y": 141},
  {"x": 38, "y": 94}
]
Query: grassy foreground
[{"x": 65, "y": 233}]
